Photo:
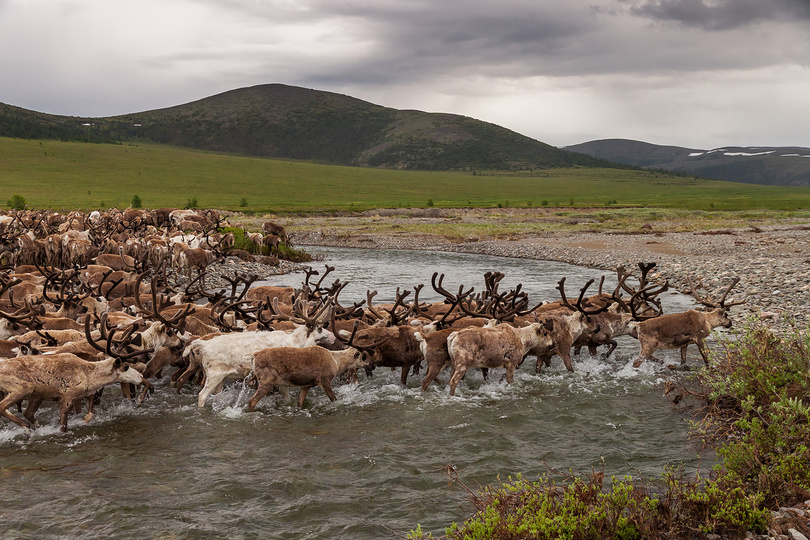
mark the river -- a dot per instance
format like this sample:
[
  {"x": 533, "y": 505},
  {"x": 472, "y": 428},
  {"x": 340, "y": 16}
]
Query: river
[{"x": 367, "y": 466}]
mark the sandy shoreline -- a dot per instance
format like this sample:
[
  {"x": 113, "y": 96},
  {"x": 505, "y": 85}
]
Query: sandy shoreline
[{"x": 772, "y": 262}]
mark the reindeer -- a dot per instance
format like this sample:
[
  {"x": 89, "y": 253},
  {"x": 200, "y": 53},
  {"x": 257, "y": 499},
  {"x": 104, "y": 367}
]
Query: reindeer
[
  {"x": 63, "y": 377},
  {"x": 568, "y": 324},
  {"x": 616, "y": 320},
  {"x": 501, "y": 346},
  {"x": 679, "y": 330},
  {"x": 228, "y": 355},
  {"x": 306, "y": 367}
]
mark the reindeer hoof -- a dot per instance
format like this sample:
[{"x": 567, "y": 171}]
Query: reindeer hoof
[
  {"x": 638, "y": 363},
  {"x": 88, "y": 417}
]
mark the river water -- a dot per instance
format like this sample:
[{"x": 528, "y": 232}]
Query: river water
[{"x": 367, "y": 466}]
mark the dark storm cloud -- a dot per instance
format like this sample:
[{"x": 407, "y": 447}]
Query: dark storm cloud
[
  {"x": 723, "y": 14},
  {"x": 427, "y": 39},
  {"x": 559, "y": 71}
]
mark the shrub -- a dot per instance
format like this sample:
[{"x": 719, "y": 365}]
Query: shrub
[
  {"x": 756, "y": 402},
  {"x": 286, "y": 252},
  {"x": 17, "y": 202},
  {"x": 243, "y": 203},
  {"x": 136, "y": 202}
]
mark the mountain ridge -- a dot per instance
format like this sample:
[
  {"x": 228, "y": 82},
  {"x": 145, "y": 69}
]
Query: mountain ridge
[
  {"x": 281, "y": 121},
  {"x": 768, "y": 165}
]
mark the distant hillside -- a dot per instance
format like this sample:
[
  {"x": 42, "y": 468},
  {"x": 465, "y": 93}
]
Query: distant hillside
[
  {"x": 282, "y": 121},
  {"x": 783, "y": 166}
]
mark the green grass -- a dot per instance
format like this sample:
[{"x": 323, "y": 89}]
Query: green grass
[{"x": 51, "y": 174}]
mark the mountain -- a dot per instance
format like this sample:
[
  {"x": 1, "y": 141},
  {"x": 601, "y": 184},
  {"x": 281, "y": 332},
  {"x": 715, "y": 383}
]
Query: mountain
[
  {"x": 280, "y": 121},
  {"x": 783, "y": 165}
]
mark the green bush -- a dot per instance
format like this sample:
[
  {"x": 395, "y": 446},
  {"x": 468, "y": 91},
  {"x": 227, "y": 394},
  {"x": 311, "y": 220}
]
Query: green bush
[
  {"x": 136, "y": 202},
  {"x": 756, "y": 395},
  {"x": 286, "y": 252},
  {"x": 17, "y": 202}
]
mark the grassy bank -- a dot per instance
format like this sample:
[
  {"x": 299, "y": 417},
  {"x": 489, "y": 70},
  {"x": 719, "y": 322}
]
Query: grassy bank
[
  {"x": 52, "y": 174},
  {"x": 752, "y": 403}
]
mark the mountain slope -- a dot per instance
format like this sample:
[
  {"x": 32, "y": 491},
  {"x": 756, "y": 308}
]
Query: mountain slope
[
  {"x": 788, "y": 166},
  {"x": 282, "y": 121}
]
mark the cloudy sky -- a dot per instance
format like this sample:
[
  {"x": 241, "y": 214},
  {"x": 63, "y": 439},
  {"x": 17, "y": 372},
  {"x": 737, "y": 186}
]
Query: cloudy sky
[{"x": 695, "y": 73}]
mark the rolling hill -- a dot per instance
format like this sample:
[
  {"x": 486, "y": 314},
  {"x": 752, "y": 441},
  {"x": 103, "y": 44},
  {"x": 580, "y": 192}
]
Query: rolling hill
[
  {"x": 782, "y": 166},
  {"x": 281, "y": 121}
]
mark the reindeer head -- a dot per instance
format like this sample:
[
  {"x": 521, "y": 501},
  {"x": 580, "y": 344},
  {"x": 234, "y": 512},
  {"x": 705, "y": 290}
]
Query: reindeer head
[{"x": 717, "y": 312}]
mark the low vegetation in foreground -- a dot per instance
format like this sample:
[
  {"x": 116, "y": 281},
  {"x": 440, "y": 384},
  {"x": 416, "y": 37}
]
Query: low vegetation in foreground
[{"x": 753, "y": 404}]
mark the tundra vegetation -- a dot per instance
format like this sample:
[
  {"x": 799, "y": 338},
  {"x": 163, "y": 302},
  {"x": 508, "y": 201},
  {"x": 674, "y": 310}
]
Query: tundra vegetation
[
  {"x": 750, "y": 402},
  {"x": 165, "y": 176}
]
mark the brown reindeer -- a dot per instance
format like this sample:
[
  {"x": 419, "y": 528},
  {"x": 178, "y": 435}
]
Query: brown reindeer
[
  {"x": 501, "y": 346},
  {"x": 679, "y": 330},
  {"x": 305, "y": 368},
  {"x": 63, "y": 377}
]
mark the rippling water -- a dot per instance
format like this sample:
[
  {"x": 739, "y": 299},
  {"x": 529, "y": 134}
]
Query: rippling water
[{"x": 362, "y": 467}]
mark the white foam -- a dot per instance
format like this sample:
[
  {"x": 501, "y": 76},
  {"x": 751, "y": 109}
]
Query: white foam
[{"x": 695, "y": 154}]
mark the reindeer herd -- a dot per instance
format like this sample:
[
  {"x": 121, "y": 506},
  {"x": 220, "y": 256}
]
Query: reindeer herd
[{"x": 86, "y": 302}]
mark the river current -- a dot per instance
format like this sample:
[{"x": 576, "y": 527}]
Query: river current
[{"x": 367, "y": 466}]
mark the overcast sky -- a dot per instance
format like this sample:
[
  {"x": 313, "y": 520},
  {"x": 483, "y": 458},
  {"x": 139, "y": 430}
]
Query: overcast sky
[{"x": 695, "y": 73}]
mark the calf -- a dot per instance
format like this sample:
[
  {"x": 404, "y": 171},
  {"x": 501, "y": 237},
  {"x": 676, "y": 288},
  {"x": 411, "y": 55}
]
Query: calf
[
  {"x": 302, "y": 367},
  {"x": 230, "y": 355}
]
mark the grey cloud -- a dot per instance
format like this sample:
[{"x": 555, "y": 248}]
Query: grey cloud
[{"x": 722, "y": 15}]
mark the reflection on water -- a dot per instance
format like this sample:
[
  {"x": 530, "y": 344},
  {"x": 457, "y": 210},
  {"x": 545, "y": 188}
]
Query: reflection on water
[{"x": 358, "y": 468}]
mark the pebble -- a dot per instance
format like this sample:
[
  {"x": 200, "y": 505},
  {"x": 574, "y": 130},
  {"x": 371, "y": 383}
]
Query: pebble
[{"x": 231, "y": 266}]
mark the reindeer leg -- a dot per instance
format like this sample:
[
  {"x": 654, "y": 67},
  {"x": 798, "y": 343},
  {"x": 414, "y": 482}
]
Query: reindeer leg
[
  {"x": 65, "y": 405},
  {"x": 326, "y": 384},
  {"x": 403, "y": 378},
  {"x": 9, "y": 400},
  {"x": 510, "y": 372},
  {"x": 458, "y": 374},
  {"x": 433, "y": 371},
  {"x": 211, "y": 385},
  {"x": 302, "y": 396},
  {"x": 147, "y": 389},
  {"x": 30, "y": 411},
  {"x": 704, "y": 351},
  {"x": 261, "y": 391}
]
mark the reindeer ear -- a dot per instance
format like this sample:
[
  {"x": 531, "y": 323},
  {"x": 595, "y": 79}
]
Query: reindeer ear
[
  {"x": 549, "y": 324},
  {"x": 117, "y": 363}
]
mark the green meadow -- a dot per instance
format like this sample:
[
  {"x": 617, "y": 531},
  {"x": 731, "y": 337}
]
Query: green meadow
[{"x": 56, "y": 175}]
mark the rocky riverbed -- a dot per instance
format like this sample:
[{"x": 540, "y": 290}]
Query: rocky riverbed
[{"x": 772, "y": 262}]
